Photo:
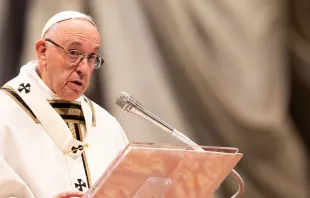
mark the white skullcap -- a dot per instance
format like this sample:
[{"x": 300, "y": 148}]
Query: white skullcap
[{"x": 65, "y": 15}]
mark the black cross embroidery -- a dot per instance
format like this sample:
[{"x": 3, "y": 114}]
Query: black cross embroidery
[
  {"x": 75, "y": 149},
  {"x": 24, "y": 87},
  {"x": 80, "y": 185}
]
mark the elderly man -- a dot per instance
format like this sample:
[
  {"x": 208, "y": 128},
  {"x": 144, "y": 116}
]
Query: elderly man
[{"x": 54, "y": 141}]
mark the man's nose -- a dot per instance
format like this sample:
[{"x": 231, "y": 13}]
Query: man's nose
[{"x": 83, "y": 66}]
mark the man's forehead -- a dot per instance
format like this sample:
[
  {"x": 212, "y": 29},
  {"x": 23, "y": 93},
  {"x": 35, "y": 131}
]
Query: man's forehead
[{"x": 69, "y": 30}]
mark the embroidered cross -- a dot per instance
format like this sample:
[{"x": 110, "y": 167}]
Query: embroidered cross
[
  {"x": 80, "y": 185},
  {"x": 24, "y": 87},
  {"x": 75, "y": 149}
]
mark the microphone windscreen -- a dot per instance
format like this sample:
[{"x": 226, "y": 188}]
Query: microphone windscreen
[{"x": 122, "y": 99}]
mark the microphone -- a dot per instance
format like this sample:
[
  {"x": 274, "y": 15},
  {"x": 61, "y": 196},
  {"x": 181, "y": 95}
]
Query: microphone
[{"x": 130, "y": 104}]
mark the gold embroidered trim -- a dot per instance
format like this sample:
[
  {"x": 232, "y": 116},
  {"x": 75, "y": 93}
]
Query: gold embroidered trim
[
  {"x": 90, "y": 103},
  {"x": 87, "y": 169},
  {"x": 64, "y": 101},
  {"x": 18, "y": 102},
  {"x": 93, "y": 114},
  {"x": 71, "y": 127},
  {"x": 76, "y": 113},
  {"x": 74, "y": 121},
  {"x": 70, "y": 111},
  {"x": 85, "y": 158}
]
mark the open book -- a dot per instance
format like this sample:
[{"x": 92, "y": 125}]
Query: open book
[{"x": 147, "y": 170}]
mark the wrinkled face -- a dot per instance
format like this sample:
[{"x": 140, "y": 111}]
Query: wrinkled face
[{"x": 68, "y": 80}]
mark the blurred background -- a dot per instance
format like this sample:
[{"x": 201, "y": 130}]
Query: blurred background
[{"x": 224, "y": 72}]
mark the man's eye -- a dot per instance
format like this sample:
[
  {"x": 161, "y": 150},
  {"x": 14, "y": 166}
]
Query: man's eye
[
  {"x": 74, "y": 53},
  {"x": 92, "y": 57}
]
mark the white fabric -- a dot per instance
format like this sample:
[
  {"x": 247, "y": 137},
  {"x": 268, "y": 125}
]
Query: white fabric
[
  {"x": 53, "y": 124},
  {"x": 65, "y": 15},
  {"x": 31, "y": 162}
]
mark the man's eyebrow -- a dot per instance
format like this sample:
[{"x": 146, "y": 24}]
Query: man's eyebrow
[
  {"x": 76, "y": 43},
  {"x": 97, "y": 49}
]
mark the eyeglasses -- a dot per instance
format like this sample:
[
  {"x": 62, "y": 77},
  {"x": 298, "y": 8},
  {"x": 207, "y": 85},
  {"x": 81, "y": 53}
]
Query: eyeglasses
[{"x": 75, "y": 56}]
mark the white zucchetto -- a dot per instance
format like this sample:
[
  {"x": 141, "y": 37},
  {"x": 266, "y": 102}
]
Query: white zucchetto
[{"x": 65, "y": 15}]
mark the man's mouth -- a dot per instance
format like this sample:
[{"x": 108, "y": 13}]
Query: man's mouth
[{"x": 79, "y": 83}]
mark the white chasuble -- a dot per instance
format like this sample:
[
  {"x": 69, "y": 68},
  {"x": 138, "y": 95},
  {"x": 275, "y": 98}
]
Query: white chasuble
[{"x": 48, "y": 145}]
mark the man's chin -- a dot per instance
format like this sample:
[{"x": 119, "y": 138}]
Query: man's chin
[{"x": 71, "y": 95}]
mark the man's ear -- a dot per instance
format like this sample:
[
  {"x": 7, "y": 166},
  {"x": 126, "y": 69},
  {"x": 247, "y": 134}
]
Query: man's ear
[{"x": 41, "y": 49}]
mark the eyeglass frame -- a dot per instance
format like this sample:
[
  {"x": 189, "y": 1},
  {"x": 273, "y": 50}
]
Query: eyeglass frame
[{"x": 82, "y": 56}]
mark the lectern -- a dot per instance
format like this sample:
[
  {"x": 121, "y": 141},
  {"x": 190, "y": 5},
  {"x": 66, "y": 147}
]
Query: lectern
[{"x": 148, "y": 170}]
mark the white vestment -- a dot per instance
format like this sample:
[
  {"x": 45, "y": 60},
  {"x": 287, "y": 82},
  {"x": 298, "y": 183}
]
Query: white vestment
[{"x": 48, "y": 145}]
